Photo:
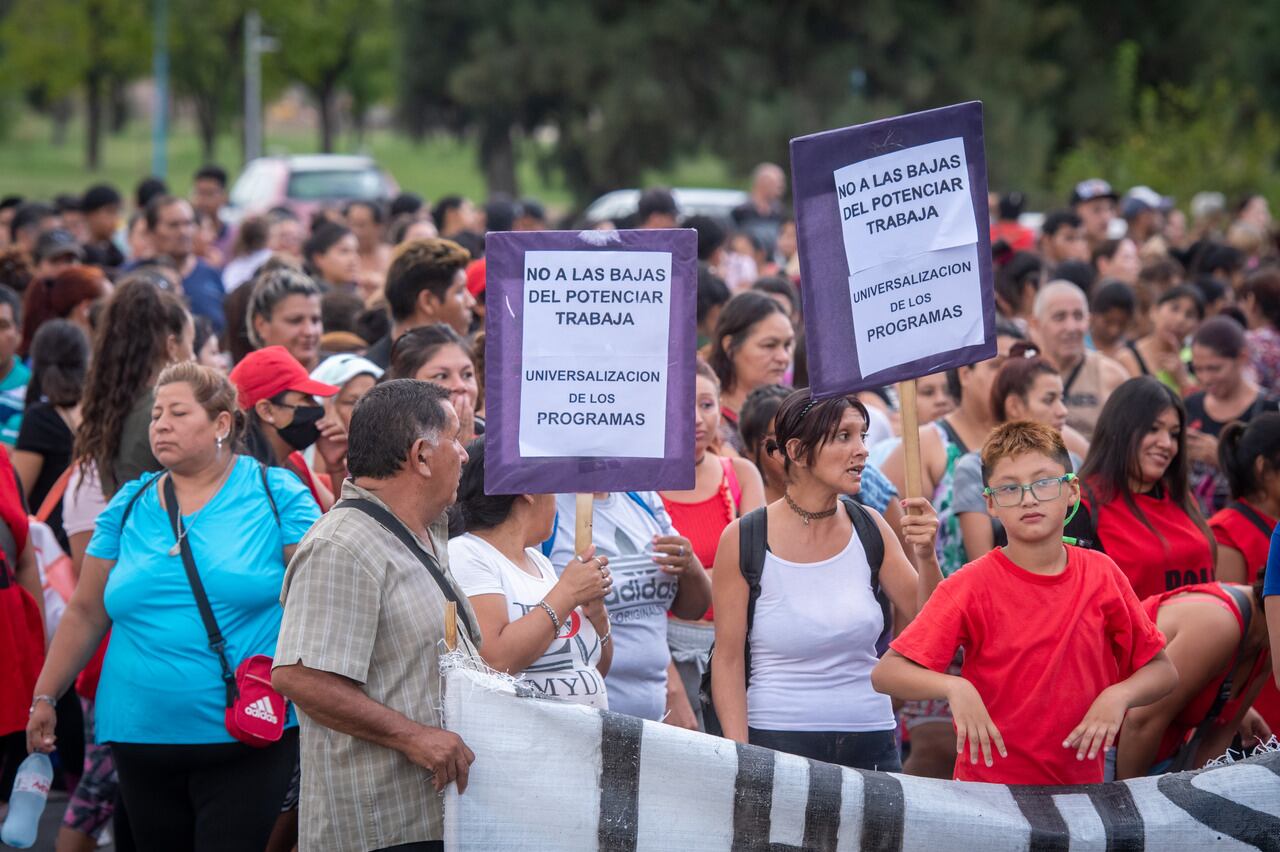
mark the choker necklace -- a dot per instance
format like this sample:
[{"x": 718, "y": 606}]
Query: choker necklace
[{"x": 809, "y": 516}]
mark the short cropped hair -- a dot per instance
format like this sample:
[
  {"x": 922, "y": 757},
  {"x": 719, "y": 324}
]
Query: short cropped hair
[
  {"x": 217, "y": 174},
  {"x": 1019, "y": 438},
  {"x": 387, "y": 420},
  {"x": 419, "y": 265}
]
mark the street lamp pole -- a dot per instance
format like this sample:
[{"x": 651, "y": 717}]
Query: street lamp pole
[{"x": 160, "y": 70}]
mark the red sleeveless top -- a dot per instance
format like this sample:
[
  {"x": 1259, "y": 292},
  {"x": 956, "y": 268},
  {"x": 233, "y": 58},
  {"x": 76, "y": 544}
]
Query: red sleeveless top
[
  {"x": 704, "y": 522},
  {"x": 1193, "y": 714}
]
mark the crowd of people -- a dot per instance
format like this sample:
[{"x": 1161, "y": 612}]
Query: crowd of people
[{"x": 264, "y": 441}]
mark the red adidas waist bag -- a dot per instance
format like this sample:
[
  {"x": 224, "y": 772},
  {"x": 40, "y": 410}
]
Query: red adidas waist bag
[{"x": 256, "y": 717}]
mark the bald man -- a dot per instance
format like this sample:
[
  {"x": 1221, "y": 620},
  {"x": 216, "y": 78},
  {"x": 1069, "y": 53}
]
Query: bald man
[
  {"x": 1060, "y": 318},
  {"x": 762, "y": 215}
]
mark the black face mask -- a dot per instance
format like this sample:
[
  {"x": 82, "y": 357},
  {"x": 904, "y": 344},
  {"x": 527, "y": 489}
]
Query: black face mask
[{"x": 302, "y": 432}]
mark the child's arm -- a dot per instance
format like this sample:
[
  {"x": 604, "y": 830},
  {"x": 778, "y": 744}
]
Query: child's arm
[
  {"x": 903, "y": 678},
  {"x": 1101, "y": 723}
]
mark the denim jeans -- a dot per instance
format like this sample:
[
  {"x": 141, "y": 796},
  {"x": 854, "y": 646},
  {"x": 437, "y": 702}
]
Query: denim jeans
[{"x": 876, "y": 750}]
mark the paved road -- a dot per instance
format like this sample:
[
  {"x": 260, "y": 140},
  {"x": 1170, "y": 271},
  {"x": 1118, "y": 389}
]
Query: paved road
[{"x": 50, "y": 821}]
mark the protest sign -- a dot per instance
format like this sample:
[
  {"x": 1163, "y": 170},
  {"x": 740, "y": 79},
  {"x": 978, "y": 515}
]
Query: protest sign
[
  {"x": 589, "y": 355},
  {"x": 895, "y": 248},
  {"x": 619, "y": 782}
]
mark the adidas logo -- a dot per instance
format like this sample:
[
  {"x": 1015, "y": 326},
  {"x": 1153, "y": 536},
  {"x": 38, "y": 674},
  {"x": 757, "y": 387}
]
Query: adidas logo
[{"x": 262, "y": 709}]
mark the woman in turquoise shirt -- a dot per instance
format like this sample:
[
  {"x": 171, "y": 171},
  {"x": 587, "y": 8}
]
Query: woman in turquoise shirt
[{"x": 161, "y": 699}]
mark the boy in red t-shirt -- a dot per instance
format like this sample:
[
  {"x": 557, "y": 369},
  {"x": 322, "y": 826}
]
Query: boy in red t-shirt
[{"x": 1057, "y": 647}]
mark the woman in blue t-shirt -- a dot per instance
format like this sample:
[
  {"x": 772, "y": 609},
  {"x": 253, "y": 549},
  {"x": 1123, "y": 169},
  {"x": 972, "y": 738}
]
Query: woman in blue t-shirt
[{"x": 161, "y": 699}]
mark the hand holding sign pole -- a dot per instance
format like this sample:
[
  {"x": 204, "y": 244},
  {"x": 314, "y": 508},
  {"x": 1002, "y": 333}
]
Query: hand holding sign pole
[{"x": 895, "y": 255}]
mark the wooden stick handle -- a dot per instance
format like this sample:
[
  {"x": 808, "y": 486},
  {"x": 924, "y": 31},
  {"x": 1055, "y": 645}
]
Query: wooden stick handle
[
  {"x": 451, "y": 625},
  {"x": 583, "y": 515},
  {"x": 910, "y": 436}
]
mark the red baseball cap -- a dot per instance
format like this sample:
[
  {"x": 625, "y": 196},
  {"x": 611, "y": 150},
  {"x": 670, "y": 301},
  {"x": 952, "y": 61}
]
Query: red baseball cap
[
  {"x": 476, "y": 277},
  {"x": 271, "y": 371}
]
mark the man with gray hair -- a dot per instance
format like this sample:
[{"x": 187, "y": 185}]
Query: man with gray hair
[
  {"x": 1060, "y": 318},
  {"x": 364, "y": 612}
]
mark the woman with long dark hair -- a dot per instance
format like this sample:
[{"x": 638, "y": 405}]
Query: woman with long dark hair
[
  {"x": 752, "y": 346},
  {"x": 59, "y": 361},
  {"x": 1137, "y": 505},
  {"x": 142, "y": 329}
]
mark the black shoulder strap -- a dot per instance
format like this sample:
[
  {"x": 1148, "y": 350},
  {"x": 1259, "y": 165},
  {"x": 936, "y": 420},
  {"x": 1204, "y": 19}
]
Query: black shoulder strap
[
  {"x": 392, "y": 524},
  {"x": 271, "y": 498},
  {"x": 1073, "y": 375},
  {"x": 952, "y": 434},
  {"x": 753, "y": 543},
  {"x": 1251, "y": 516},
  {"x": 216, "y": 642},
  {"x": 864, "y": 524}
]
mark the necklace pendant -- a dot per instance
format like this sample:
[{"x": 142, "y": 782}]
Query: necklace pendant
[
  {"x": 806, "y": 520},
  {"x": 176, "y": 549}
]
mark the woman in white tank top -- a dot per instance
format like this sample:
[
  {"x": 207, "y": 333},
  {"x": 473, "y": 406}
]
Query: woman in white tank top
[{"x": 816, "y": 621}]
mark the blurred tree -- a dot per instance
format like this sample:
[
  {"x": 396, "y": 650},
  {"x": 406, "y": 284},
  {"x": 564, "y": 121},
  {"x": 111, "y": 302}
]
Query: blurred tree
[
  {"x": 64, "y": 47},
  {"x": 325, "y": 45},
  {"x": 206, "y": 61}
]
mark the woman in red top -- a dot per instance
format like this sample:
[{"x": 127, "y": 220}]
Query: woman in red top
[
  {"x": 1214, "y": 653},
  {"x": 21, "y": 627},
  {"x": 1137, "y": 505},
  {"x": 1249, "y": 456},
  {"x": 725, "y": 489}
]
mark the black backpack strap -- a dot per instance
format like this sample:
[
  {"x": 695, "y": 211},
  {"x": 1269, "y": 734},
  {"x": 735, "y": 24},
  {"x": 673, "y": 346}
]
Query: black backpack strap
[
  {"x": 952, "y": 435},
  {"x": 1251, "y": 516},
  {"x": 393, "y": 525},
  {"x": 216, "y": 642},
  {"x": 868, "y": 531},
  {"x": 753, "y": 543},
  {"x": 271, "y": 498}
]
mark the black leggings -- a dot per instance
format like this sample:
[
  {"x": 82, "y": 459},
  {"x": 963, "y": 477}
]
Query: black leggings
[{"x": 223, "y": 797}]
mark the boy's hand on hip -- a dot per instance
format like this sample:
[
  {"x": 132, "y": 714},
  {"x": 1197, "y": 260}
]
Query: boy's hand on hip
[
  {"x": 973, "y": 723},
  {"x": 1099, "y": 727}
]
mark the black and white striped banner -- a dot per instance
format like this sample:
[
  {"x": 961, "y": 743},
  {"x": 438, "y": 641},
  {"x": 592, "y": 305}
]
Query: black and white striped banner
[{"x": 550, "y": 775}]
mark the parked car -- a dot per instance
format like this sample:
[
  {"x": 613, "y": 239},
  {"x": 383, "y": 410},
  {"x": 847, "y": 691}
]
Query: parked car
[
  {"x": 305, "y": 183},
  {"x": 620, "y": 205}
]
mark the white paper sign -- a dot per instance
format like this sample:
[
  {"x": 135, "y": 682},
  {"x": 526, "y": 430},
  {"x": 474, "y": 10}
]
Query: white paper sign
[
  {"x": 594, "y": 379},
  {"x": 910, "y": 239}
]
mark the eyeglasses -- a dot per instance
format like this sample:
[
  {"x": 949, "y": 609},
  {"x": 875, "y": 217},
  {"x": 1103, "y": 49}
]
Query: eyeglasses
[{"x": 1044, "y": 490}]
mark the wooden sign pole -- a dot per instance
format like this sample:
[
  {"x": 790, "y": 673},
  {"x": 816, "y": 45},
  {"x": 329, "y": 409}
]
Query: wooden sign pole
[
  {"x": 583, "y": 515},
  {"x": 450, "y": 626},
  {"x": 910, "y": 436}
]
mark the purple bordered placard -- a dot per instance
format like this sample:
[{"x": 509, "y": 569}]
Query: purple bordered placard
[
  {"x": 506, "y": 471},
  {"x": 834, "y": 365}
]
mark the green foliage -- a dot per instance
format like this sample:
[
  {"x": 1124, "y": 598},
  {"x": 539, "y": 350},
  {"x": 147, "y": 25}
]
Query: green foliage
[{"x": 1184, "y": 140}]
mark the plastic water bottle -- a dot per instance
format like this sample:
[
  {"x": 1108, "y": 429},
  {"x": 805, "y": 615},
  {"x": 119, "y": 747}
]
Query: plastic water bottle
[{"x": 30, "y": 792}]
